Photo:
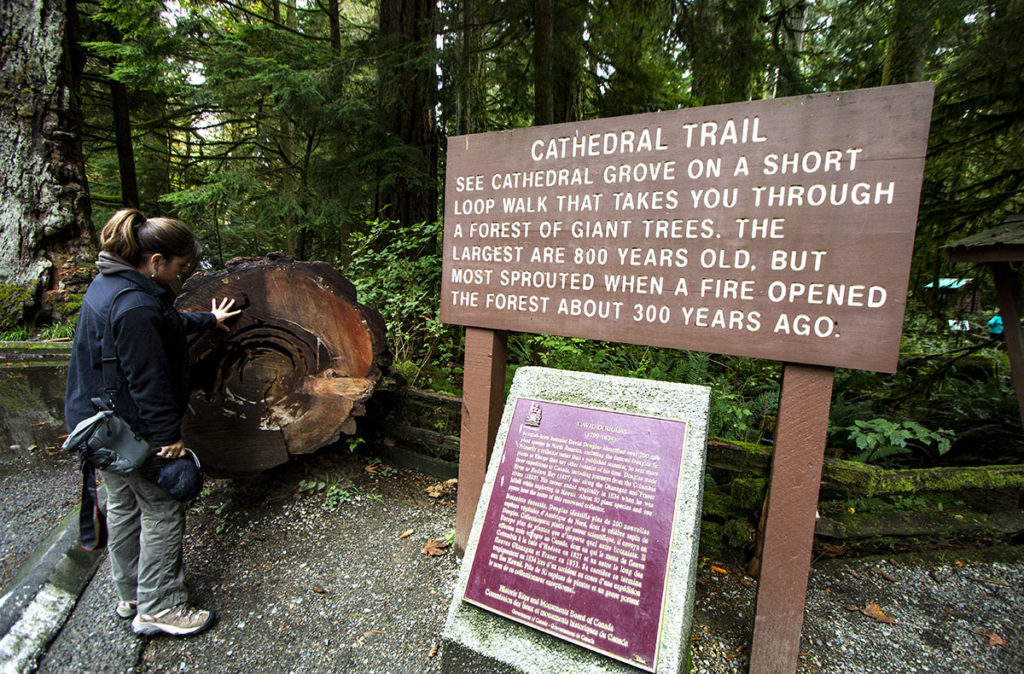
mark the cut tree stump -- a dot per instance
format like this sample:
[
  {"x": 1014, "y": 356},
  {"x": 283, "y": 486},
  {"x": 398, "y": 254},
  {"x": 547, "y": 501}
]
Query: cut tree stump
[{"x": 292, "y": 373}]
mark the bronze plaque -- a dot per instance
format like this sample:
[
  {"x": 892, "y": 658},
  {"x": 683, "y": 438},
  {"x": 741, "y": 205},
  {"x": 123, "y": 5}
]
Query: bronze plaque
[
  {"x": 777, "y": 229},
  {"x": 577, "y": 536}
]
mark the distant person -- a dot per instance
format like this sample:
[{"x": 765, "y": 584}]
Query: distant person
[
  {"x": 995, "y": 328},
  {"x": 145, "y": 523}
]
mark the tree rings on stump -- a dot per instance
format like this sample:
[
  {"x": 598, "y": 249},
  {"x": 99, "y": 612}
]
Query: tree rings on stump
[{"x": 292, "y": 373}]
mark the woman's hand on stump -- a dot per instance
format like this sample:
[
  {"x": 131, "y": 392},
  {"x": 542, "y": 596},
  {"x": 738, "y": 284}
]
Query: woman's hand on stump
[{"x": 222, "y": 310}]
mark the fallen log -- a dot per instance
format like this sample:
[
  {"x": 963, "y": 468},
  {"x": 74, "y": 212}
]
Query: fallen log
[
  {"x": 928, "y": 523},
  {"x": 865, "y": 479},
  {"x": 292, "y": 373}
]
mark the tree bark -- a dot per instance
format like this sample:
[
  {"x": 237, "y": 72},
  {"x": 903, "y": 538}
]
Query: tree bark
[
  {"x": 335, "y": 23},
  {"x": 471, "y": 94},
  {"x": 543, "y": 62},
  {"x": 568, "y": 60},
  {"x": 721, "y": 37},
  {"x": 408, "y": 85},
  {"x": 125, "y": 151},
  {"x": 909, "y": 40},
  {"x": 293, "y": 372},
  {"x": 45, "y": 219},
  {"x": 793, "y": 26},
  {"x": 123, "y": 133}
]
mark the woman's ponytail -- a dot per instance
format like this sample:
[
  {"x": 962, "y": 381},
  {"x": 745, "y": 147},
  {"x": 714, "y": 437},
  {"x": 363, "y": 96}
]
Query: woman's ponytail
[
  {"x": 131, "y": 236},
  {"x": 120, "y": 235}
]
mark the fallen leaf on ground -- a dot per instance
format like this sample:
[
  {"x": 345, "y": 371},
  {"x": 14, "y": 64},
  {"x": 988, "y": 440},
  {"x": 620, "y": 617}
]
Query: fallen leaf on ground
[
  {"x": 405, "y": 534},
  {"x": 319, "y": 589},
  {"x": 883, "y": 574},
  {"x": 960, "y": 564},
  {"x": 993, "y": 639},
  {"x": 433, "y": 651},
  {"x": 435, "y": 547},
  {"x": 874, "y": 611},
  {"x": 442, "y": 488}
]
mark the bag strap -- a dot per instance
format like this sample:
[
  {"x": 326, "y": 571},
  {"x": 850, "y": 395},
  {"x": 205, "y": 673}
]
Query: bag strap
[
  {"x": 108, "y": 355},
  {"x": 92, "y": 523}
]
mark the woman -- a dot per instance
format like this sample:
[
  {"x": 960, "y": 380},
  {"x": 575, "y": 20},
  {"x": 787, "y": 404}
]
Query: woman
[{"x": 145, "y": 524}]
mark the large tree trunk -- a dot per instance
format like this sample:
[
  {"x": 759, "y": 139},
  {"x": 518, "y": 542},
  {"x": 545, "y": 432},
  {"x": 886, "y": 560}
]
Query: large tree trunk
[
  {"x": 123, "y": 132},
  {"x": 293, "y": 372},
  {"x": 408, "y": 84},
  {"x": 721, "y": 37},
  {"x": 793, "y": 20},
  {"x": 471, "y": 93},
  {"x": 909, "y": 41},
  {"x": 570, "y": 16},
  {"x": 543, "y": 63},
  {"x": 123, "y": 138},
  {"x": 46, "y": 214},
  {"x": 557, "y": 60}
]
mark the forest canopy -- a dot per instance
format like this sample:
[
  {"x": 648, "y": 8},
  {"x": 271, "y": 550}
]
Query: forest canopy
[
  {"x": 318, "y": 128},
  {"x": 292, "y": 124}
]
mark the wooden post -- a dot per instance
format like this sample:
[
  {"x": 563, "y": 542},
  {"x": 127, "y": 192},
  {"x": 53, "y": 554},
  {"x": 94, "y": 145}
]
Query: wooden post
[
  {"x": 1006, "y": 291},
  {"x": 789, "y": 517},
  {"x": 483, "y": 393}
]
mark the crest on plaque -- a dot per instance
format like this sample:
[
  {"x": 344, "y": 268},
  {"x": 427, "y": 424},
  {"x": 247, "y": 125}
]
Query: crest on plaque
[{"x": 533, "y": 416}]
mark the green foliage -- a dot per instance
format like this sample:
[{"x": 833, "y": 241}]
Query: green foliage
[
  {"x": 15, "y": 334},
  {"x": 337, "y": 495},
  {"x": 878, "y": 439},
  {"x": 13, "y": 299},
  {"x": 744, "y": 395},
  {"x": 62, "y": 330},
  {"x": 268, "y": 132},
  {"x": 397, "y": 271},
  {"x": 743, "y": 419}
]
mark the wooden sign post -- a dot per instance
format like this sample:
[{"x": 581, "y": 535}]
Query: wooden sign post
[
  {"x": 482, "y": 398},
  {"x": 789, "y": 517},
  {"x": 777, "y": 229}
]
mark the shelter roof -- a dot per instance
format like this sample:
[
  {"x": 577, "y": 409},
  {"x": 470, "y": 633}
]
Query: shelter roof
[{"x": 1003, "y": 243}]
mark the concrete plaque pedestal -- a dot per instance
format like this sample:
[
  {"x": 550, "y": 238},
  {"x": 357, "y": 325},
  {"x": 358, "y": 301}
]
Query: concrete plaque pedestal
[{"x": 477, "y": 640}]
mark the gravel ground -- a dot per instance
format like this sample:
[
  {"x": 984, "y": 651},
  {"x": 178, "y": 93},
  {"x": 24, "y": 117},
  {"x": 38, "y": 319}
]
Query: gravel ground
[
  {"x": 38, "y": 482},
  {"x": 308, "y": 571},
  {"x": 893, "y": 614}
]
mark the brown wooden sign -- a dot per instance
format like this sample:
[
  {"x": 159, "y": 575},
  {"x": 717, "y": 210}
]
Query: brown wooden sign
[{"x": 775, "y": 229}]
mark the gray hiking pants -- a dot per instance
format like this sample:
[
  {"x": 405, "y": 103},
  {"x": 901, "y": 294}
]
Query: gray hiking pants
[{"x": 146, "y": 527}]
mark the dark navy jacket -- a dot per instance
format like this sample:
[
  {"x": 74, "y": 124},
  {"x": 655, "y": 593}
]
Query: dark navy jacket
[{"x": 152, "y": 352}]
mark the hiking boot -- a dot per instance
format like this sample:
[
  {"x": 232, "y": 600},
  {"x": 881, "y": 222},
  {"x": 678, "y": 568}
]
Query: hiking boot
[
  {"x": 179, "y": 621},
  {"x": 126, "y": 609}
]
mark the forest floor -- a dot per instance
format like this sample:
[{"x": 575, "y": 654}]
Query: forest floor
[{"x": 311, "y": 567}]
